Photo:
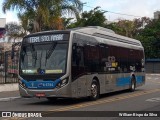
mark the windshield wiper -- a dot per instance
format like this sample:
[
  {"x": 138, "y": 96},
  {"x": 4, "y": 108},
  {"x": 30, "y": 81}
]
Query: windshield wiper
[
  {"x": 51, "y": 49},
  {"x": 34, "y": 53}
]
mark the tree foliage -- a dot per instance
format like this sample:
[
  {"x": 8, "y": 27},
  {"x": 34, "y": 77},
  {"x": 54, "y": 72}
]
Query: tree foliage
[
  {"x": 94, "y": 17},
  {"x": 14, "y": 31},
  {"x": 150, "y": 38},
  {"x": 123, "y": 27},
  {"x": 43, "y": 14},
  {"x": 144, "y": 29}
]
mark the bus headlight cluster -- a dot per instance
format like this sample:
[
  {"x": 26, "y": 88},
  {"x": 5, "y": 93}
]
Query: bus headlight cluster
[{"x": 62, "y": 83}]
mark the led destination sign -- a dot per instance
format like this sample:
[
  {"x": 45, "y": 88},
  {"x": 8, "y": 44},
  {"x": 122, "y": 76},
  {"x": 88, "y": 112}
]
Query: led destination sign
[{"x": 46, "y": 38}]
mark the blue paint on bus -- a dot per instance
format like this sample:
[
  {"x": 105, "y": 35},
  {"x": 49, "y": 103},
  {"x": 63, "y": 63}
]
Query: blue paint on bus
[
  {"x": 139, "y": 79},
  {"x": 123, "y": 81},
  {"x": 49, "y": 84},
  {"x": 127, "y": 81}
]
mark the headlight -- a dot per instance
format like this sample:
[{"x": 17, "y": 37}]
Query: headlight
[{"x": 62, "y": 83}]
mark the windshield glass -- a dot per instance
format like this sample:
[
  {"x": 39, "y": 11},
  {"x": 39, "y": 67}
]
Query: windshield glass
[{"x": 38, "y": 59}]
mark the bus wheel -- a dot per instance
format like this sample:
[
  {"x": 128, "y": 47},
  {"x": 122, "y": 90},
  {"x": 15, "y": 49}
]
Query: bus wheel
[
  {"x": 51, "y": 99},
  {"x": 133, "y": 85},
  {"x": 94, "y": 90}
]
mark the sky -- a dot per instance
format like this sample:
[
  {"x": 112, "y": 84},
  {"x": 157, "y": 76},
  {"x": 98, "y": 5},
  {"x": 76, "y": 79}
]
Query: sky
[{"x": 139, "y": 8}]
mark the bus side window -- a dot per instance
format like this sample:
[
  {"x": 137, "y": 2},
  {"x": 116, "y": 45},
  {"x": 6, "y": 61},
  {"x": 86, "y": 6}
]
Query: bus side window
[
  {"x": 78, "y": 67},
  {"x": 77, "y": 53},
  {"x": 74, "y": 54}
]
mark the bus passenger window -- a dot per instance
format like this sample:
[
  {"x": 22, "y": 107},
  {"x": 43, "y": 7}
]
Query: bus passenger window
[
  {"x": 77, "y": 54},
  {"x": 77, "y": 61}
]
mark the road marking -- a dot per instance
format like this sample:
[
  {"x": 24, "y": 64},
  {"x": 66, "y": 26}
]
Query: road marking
[
  {"x": 153, "y": 75},
  {"x": 9, "y": 99},
  {"x": 82, "y": 105},
  {"x": 153, "y": 100},
  {"x": 153, "y": 81}
]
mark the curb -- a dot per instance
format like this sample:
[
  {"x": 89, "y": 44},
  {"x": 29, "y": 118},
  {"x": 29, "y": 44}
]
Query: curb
[{"x": 9, "y": 87}]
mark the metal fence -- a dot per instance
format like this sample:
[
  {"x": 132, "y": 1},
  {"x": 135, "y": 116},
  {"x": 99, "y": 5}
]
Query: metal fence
[{"x": 8, "y": 68}]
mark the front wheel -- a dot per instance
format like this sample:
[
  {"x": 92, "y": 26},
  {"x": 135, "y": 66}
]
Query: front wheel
[{"x": 94, "y": 90}]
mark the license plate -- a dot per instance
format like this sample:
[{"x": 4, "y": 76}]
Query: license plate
[{"x": 40, "y": 94}]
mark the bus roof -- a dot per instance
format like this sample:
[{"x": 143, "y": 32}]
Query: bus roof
[
  {"x": 96, "y": 31},
  {"x": 107, "y": 34}
]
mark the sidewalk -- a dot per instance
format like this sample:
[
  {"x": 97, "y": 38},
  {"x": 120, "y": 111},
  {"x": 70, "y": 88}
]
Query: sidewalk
[
  {"x": 8, "y": 87},
  {"x": 9, "y": 94},
  {"x": 9, "y": 90}
]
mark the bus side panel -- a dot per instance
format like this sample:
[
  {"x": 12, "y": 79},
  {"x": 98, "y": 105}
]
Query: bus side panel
[
  {"x": 82, "y": 86},
  {"x": 123, "y": 81},
  {"x": 140, "y": 79},
  {"x": 101, "y": 78},
  {"x": 74, "y": 89},
  {"x": 79, "y": 87}
]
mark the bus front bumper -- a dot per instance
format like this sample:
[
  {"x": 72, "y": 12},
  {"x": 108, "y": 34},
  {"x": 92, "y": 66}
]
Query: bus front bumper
[{"x": 56, "y": 92}]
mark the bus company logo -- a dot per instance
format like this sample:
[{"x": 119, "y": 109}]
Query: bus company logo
[
  {"x": 6, "y": 114},
  {"x": 42, "y": 72}
]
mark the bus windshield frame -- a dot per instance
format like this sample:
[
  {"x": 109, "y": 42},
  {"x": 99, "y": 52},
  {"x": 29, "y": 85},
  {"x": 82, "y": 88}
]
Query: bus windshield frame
[{"x": 39, "y": 59}]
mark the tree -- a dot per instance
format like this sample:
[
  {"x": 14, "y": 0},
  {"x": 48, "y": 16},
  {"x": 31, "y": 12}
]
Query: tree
[
  {"x": 123, "y": 27},
  {"x": 43, "y": 14},
  {"x": 14, "y": 31},
  {"x": 143, "y": 29},
  {"x": 94, "y": 17},
  {"x": 140, "y": 24},
  {"x": 129, "y": 28},
  {"x": 150, "y": 38}
]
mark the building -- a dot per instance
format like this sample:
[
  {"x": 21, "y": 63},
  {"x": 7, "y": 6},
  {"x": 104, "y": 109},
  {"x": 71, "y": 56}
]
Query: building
[
  {"x": 2, "y": 29},
  {"x": 157, "y": 15},
  {"x": 152, "y": 66},
  {"x": 2, "y": 22}
]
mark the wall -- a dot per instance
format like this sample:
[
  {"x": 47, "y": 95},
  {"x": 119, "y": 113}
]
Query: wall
[{"x": 152, "y": 66}]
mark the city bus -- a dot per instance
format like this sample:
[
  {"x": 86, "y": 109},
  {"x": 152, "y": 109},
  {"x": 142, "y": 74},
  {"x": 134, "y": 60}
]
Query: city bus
[{"x": 79, "y": 62}]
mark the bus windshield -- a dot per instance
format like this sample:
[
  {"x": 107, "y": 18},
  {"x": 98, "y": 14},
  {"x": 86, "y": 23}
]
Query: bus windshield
[{"x": 41, "y": 59}]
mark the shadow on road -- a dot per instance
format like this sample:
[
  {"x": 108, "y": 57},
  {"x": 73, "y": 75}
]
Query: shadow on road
[{"x": 73, "y": 101}]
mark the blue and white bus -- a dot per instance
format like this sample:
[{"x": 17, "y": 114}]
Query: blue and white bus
[{"x": 79, "y": 62}]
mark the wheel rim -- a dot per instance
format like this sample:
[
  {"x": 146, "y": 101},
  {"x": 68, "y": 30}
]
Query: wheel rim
[{"x": 94, "y": 90}]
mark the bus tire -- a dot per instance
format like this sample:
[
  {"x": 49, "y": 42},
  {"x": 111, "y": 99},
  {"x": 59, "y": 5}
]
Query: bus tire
[
  {"x": 94, "y": 90},
  {"x": 51, "y": 99},
  {"x": 132, "y": 85}
]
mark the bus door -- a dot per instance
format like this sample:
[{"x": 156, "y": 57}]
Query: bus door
[
  {"x": 105, "y": 66},
  {"x": 78, "y": 70}
]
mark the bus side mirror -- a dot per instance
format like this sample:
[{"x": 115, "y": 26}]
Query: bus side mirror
[{"x": 12, "y": 53}]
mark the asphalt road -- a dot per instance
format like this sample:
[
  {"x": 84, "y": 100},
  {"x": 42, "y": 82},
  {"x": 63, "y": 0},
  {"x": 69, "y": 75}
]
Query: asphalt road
[{"x": 145, "y": 101}]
